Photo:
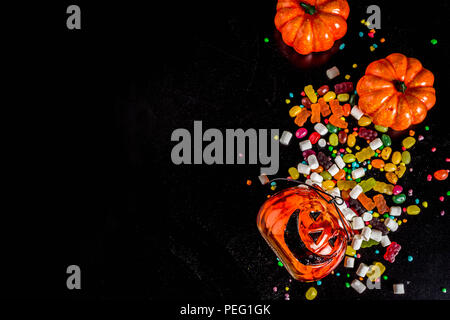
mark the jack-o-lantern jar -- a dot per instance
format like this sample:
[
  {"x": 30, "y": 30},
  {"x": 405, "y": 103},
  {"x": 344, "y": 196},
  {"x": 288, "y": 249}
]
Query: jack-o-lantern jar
[{"x": 304, "y": 229}]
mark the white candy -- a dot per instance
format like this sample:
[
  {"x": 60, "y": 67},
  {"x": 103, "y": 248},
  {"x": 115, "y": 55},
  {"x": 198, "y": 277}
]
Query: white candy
[
  {"x": 385, "y": 241},
  {"x": 305, "y": 145},
  {"x": 357, "y": 223},
  {"x": 349, "y": 262},
  {"x": 395, "y": 211},
  {"x": 356, "y": 113},
  {"x": 263, "y": 179},
  {"x": 303, "y": 168},
  {"x": 358, "y": 173},
  {"x": 391, "y": 224},
  {"x": 356, "y": 191},
  {"x": 356, "y": 242},
  {"x": 348, "y": 214},
  {"x": 333, "y": 170},
  {"x": 367, "y": 216},
  {"x": 365, "y": 233},
  {"x": 321, "y": 128},
  {"x": 362, "y": 270},
  {"x": 342, "y": 206},
  {"x": 312, "y": 162},
  {"x": 322, "y": 142},
  {"x": 358, "y": 286},
  {"x": 285, "y": 138},
  {"x": 315, "y": 177},
  {"x": 399, "y": 288},
  {"x": 339, "y": 162},
  {"x": 375, "y": 144},
  {"x": 334, "y": 192},
  {"x": 309, "y": 182},
  {"x": 376, "y": 235},
  {"x": 332, "y": 72}
]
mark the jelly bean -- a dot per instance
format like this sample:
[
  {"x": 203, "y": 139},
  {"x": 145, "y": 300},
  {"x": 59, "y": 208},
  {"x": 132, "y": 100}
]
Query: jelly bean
[
  {"x": 306, "y": 102},
  {"x": 386, "y": 153},
  {"x": 318, "y": 170},
  {"x": 377, "y": 163},
  {"x": 342, "y": 137},
  {"x": 397, "y": 190},
  {"x": 390, "y": 167},
  {"x": 351, "y": 140},
  {"x": 328, "y": 185},
  {"x": 364, "y": 121},
  {"x": 381, "y": 128},
  {"x": 399, "y": 198},
  {"x": 408, "y": 142},
  {"x": 301, "y": 133},
  {"x": 349, "y": 158},
  {"x": 401, "y": 169},
  {"x": 311, "y": 293},
  {"x": 294, "y": 111},
  {"x": 314, "y": 137},
  {"x": 332, "y": 128},
  {"x": 301, "y": 118},
  {"x": 386, "y": 140},
  {"x": 326, "y": 175},
  {"x": 307, "y": 153},
  {"x": 309, "y": 91},
  {"x": 441, "y": 174},
  {"x": 333, "y": 139},
  {"x": 413, "y": 210},
  {"x": 293, "y": 172},
  {"x": 330, "y": 95},
  {"x": 396, "y": 157},
  {"x": 322, "y": 90},
  {"x": 343, "y": 97},
  {"x": 340, "y": 175},
  {"x": 392, "y": 177},
  {"x": 343, "y": 87},
  {"x": 406, "y": 157}
]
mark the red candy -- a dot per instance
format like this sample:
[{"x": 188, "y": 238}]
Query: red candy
[
  {"x": 314, "y": 137},
  {"x": 343, "y": 87},
  {"x": 392, "y": 251},
  {"x": 441, "y": 174},
  {"x": 367, "y": 134}
]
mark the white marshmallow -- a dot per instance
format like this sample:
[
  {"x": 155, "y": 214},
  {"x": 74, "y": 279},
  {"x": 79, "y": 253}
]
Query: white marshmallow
[
  {"x": 303, "y": 168},
  {"x": 391, "y": 224},
  {"x": 305, "y": 145},
  {"x": 315, "y": 177},
  {"x": 385, "y": 241},
  {"x": 332, "y": 73},
  {"x": 356, "y": 191},
  {"x": 362, "y": 270},
  {"x": 348, "y": 214},
  {"x": 395, "y": 211},
  {"x": 365, "y": 233},
  {"x": 263, "y": 179},
  {"x": 376, "y": 235},
  {"x": 335, "y": 192},
  {"x": 356, "y": 113},
  {"x": 358, "y": 173},
  {"x": 349, "y": 262},
  {"x": 321, "y": 128},
  {"x": 357, "y": 223},
  {"x": 339, "y": 162},
  {"x": 367, "y": 216},
  {"x": 399, "y": 288},
  {"x": 358, "y": 286},
  {"x": 312, "y": 162},
  {"x": 322, "y": 142},
  {"x": 356, "y": 242},
  {"x": 285, "y": 138},
  {"x": 375, "y": 144},
  {"x": 333, "y": 170}
]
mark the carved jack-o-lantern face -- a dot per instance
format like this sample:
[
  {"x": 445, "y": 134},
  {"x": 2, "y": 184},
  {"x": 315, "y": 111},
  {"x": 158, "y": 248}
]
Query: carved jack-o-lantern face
[{"x": 305, "y": 231}]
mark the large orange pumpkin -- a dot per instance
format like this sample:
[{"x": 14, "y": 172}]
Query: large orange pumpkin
[
  {"x": 311, "y": 25},
  {"x": 396, "y": 91}
]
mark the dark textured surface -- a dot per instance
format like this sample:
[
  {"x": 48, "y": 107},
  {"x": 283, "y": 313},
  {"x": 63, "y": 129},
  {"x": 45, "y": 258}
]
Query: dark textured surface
[{"x": 142, "y": 227}]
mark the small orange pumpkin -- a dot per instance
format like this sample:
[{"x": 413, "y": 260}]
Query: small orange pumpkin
[
  {"x": 311, "y": 25},
  {"x": 396, "y": 91}
]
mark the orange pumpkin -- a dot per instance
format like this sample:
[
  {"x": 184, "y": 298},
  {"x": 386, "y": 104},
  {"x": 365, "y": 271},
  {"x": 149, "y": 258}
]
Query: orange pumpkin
[
  {"x": 396, "y": 91},
  {"x": 311, "y": 25}
]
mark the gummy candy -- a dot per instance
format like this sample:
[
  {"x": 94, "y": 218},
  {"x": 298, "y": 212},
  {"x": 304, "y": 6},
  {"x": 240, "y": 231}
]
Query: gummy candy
[
  {"x": 376, "y": 270},
  {"x": 301, "y": 133},
  {"x": 368, "y": 244},
  {"x": 324, "y": 161},
  {"x": 336, "y": 108},
  {"x": 381, "y": 128},
  {"x": 382, "y": 187},
  {"x": 315, "y": 116},
  {"x": 338, "y": 122},
  {"x": 332, "y": 128},
  {"x": 356, "y": 205},
  {"x": 364, "y": 121},
  {"x": 367, "y": 134},
  {"x": 343, "y": 87},
  {"x": 380, "y": 202},
  {"x": 377, "y": 224},
  {"x": 392, "y": 251},
  {"x": 368, "y": 184},
  {"x": 328, "y": 185},
  {"x": 309, "y": 91},
  {"x": 346, "y": 184},
  {"x": 366, "y": 201},
  {"x": 353, "y": 100},
  {"x": 350, "y": 251},
  {"x": 307, "y": 153},
  {"x": 324, "y": 108},
  {"x": 365, "y": 154},
  {"x": 302, "y": 117},
  {"x": 347, "y": 108},
  {"x": 325, "y": 175}
]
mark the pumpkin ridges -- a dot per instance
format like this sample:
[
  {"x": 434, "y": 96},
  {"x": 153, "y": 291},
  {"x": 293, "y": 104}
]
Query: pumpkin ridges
[
  {"x": 399, "y": 62},
  {"x": 290, "y": 30},
  {"x": 422, "y": 79},
  {"x": 285, "y": 15},
  {"x": 371, "y": 101},
  {"x": 383, "y": 69},
  {"x": 403, "y": 117},
  {"x": 370, "y": 83},
  {"x": 302, "y": 44},
  {"x": 337, "y": 7},
  {"x": 385, "y": 114},
  {"x": 414, "y": 67},
  {"x": 322, "y": 39},
  {"x": 331, "y": 20},
  {"x": 287, "y": 4},
  {"x": 427, "y": 95},
  {"x": 417, "y": 108}
]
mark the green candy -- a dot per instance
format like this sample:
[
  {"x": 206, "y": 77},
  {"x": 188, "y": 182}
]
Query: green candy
[
  {"x": 349, "y": 158},
  {"x": 406, "y": 157},
  {"x": 368, "y": 244},
  {"x": 408, "y": 142},
  {"x": 386, "y": 140},
  {"x": 326, "y": 175},
  {"x": 353, "y": 99},
  {"x": 399, "y": 198},
  {"x": 333, "y": 139},
  {"x": 332, "y": 128},
  {"x": 368, "y": 184},
  {"x": 381, "y": 128}
]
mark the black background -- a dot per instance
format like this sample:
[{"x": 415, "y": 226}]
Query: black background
[{"x": 93, "y": 183}]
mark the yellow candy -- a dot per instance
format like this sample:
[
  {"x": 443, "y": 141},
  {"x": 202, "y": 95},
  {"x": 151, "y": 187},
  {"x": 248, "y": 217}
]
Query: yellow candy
[
  {"x": 345, "y": 184},
  {"x": 413, "y": 210},
  {"x": 391, "y": 177},
  {"x": 390, "y": 167},
  {"x": 351, "y": 140},
  {"x": 329, "y": 184},
  {"x": 343, "y": 97},
  {"x": 375, "y": 271},
  {"x": 408, "y": 142},
  {"x": 401, "y": 169},
  {"x": 309, "y": 91},
  {"x": 386, "y": 153},
  {"x": 364, "y": 121},
  {"x": 311, "y": 293},
  {"x": 294, "y": 111},
  {"x": 330, "y": 95},
  {"x": 293, "y": 172},
  {"x": 350, "y": 251},
  {"x": 396, "y": 157}
]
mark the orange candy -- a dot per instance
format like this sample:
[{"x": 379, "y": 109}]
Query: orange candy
[
  {"x": 366, "y": 201},
  {"x": 377, "y": 163},
  {"x": 301, "y": 118},
  {"x": 347, "y": 109},
  {"x": 380, "y": 202},
  {"x": 315, "y": 117},
  {"x": 336, "y": 108},
  {"x": 324, "y": 108},
  {"x": 441, "y": 174},
  {"x": 318, "y": 170},
  {"x": 337, "y": 122},
  {"x": 340, "y": 175}
]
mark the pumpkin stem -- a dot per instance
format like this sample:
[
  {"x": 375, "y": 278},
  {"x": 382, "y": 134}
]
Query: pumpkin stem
[
  {"x": 308, "y": 8},
  {"x": 400, "y": 86}
]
